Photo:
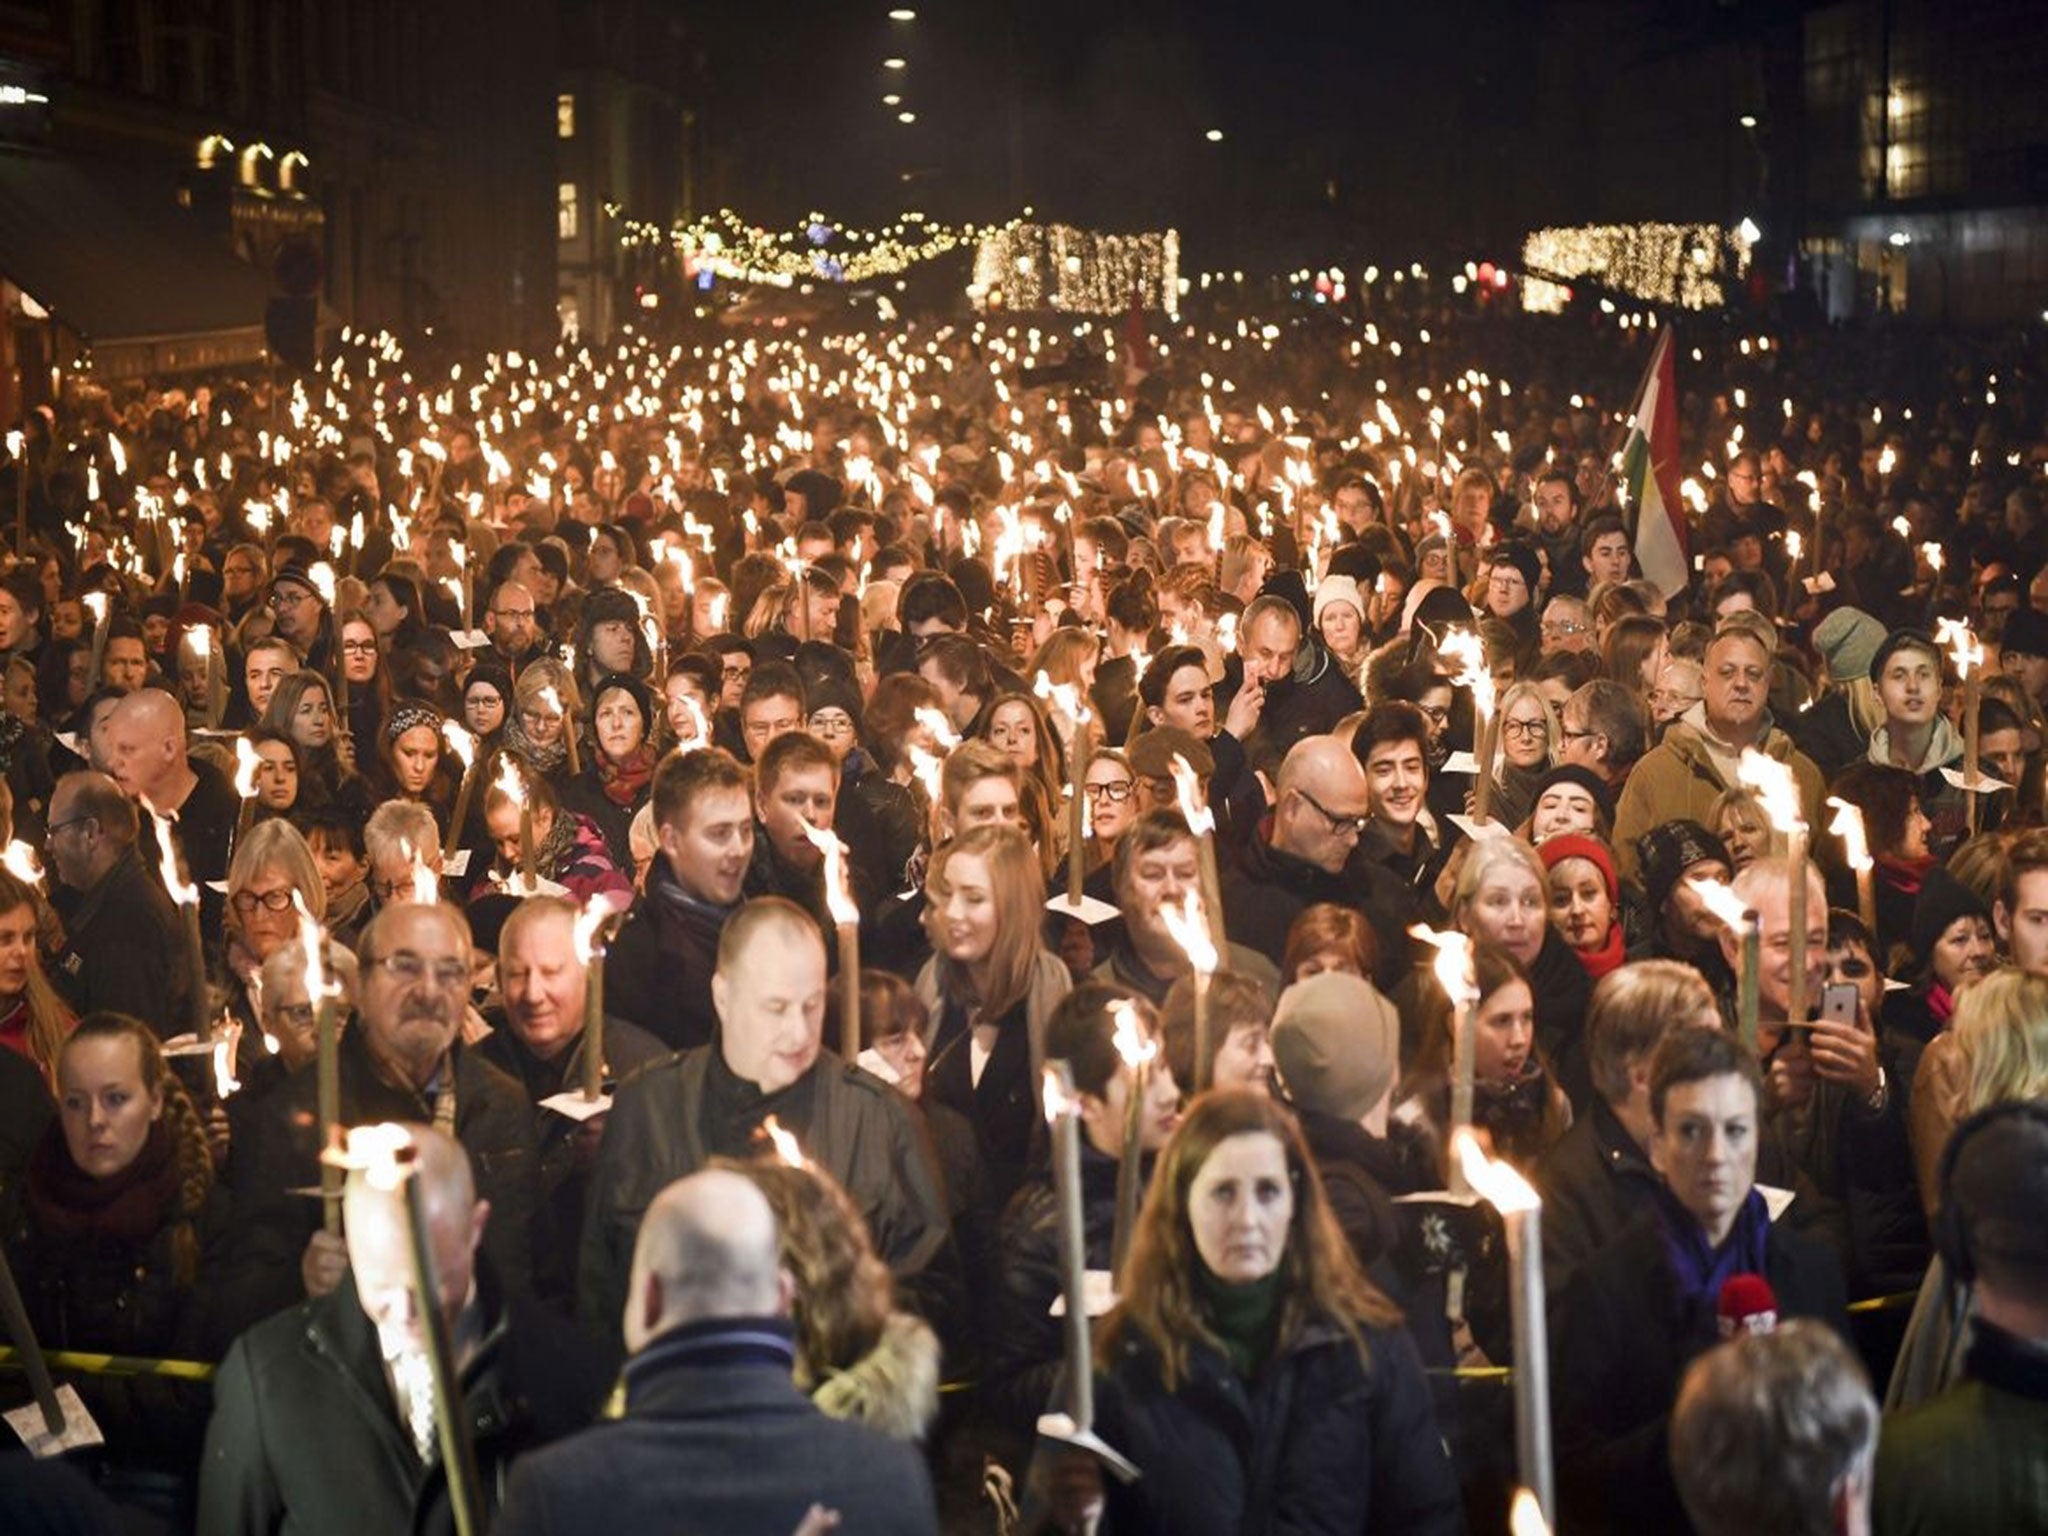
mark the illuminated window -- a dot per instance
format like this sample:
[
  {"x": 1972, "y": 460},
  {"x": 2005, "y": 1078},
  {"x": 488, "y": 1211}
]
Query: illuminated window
[
  {"x": 566, "y": 220},
  {"x": 565, "y": 116}
]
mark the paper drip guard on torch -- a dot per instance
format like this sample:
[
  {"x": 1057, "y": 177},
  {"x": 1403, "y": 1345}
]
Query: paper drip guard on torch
[{"x": 1076, "y": 1426}]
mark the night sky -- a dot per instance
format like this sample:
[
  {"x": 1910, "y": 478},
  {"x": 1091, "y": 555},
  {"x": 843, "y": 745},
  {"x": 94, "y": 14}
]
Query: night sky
[{"x": 1368, "y": 126}]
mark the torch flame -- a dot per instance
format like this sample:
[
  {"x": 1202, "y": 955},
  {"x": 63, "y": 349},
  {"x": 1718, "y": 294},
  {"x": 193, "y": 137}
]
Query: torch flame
[
  {"x": 1064, "y": 697},
  {"x": 1131, "y": 1042},
  {"x": 1848, "y": 826},
  {"x": 1776, "y": 789},
  {"x": 1525, "y": 1518},
  {"x": 590, "y": 924},
  {"x": 1194, "y": 809},
  {"x": 1465, "y": 647},
  {"x": 383, "y": 1154},
  {"x": 1719, "y": 898},
  {"x": 1492, "y": 1180},
  {"x": 935, "y": 721},
  {"x": 1964, "y": 648},
  {"x": 838, "y": 893},
  {"x": 927, "y": 770},
  {"x": 247, "y": 761},
  {"x": 460, "y": 742},
  {"x": 167, "y": 861},
  {"x": 508, "y": 782},
  {"x": 784, "y": 1142},
  {"x": 1188, "y": 922},
  {"x": 1058, "y": 1101},
  {"x": 21, "y": 862},
  {"x": 322, "y": 577},
  {"x": 1453, "y": 964},
  {"x": 224, "y": 1080}
]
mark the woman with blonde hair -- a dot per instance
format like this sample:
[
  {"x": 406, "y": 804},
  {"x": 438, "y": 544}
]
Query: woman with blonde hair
[
  {"x": 33, "y": 1019},
  {"x": 1995, "y": 1051},
  {"x": 272, "y": 864},
  {"x": 989, "y": 987},
  {"x": 545, "y": 708},
  {"x": 1251, "y": 1368},
  {"x": 1527, "y": 740}
]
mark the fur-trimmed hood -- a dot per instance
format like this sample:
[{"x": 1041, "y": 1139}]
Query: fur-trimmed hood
[{"x": 894, "y": 1387}]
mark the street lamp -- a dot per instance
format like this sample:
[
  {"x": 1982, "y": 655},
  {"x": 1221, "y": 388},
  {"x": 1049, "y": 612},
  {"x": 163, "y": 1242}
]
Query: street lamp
[
  {"x": 1214, "y": 135},
  {"x": 906, "y": 117},
  {"x": 903, "y": 15},
  {"x": 1748, "y": 119},
  {"x": 894, "y": 64}
]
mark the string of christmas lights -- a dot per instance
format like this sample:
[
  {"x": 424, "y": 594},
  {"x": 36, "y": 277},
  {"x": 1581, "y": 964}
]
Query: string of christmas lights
[{"x": 1689, "y": 265}]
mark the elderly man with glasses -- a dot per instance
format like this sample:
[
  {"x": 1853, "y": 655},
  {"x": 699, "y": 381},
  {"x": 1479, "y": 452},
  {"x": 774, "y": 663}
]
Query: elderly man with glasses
[
  {"x": 124, "y": 946},
  {"x": 403, "y": 1058}
]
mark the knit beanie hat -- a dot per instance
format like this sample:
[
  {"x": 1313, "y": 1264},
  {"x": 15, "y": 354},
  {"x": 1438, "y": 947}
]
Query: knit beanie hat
[
  {"x": 1554, "y": 851},
  {"x": 1846, "y": 640},
  {"x": 1666, "y": 852},
  {"x": 1943, "y": 899},
  {"x": 1337, "y": 1043},
  {"x": 1586, "y": 779}
]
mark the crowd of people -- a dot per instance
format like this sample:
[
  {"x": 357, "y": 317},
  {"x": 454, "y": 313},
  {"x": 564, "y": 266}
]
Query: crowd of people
[{"x": 549, "y": 754}]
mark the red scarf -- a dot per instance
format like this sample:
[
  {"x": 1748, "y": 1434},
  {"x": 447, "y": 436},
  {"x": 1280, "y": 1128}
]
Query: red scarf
[
  {"x": 1904, "y": 875},
  {"x": 624, "y": 782},
  {"x": 1608, "y": 957},
  {"x": 14, "y": 1031}
]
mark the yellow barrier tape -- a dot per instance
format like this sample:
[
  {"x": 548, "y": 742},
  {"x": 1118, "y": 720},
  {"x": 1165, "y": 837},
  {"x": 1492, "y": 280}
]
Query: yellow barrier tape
[{"x": 85, "y": 1364}]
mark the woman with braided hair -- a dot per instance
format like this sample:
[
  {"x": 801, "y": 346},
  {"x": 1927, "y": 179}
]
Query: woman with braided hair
[{"x": 118, "y": 1221}]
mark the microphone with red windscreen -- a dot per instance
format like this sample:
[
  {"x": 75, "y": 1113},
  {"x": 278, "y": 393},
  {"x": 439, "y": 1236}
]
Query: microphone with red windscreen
[{"x": 1747, "y": 1305}]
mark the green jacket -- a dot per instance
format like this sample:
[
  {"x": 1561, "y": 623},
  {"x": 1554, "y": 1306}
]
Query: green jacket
[
  {"x": 1975, "y": 1459},
  {"x": 1678, "y": 780}
]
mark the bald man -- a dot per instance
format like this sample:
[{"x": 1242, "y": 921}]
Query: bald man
[
  {"x": 323, "y": 1415},
  {"x": 716, "y": 1436},
  {"x": 146, "y": 756},
  {"x": 1309, "y": 854},
  {"x": 401, "y": 1058},
  {"x": 767, "y": 1058}
]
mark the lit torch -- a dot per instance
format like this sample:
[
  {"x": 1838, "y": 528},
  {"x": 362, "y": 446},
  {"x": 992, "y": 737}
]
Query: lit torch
[
  {"x": 1778, "y": 792},
  {"x": 1465, "y": 647},
  {"x": 1137, "y": 1051},
  {"x": 1719, "y": 898},
  {"x": 1456, "y": 976},
  {"x": 593, "y": 929},
  {"x": 1188, "y": 924},
  {"x": 1848, "y": 826},
  {"x": 846, "y": 919}
]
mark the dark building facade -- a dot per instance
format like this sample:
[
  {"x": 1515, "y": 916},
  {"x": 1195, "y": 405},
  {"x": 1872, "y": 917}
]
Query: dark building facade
[{"x": 395, "y": 156}]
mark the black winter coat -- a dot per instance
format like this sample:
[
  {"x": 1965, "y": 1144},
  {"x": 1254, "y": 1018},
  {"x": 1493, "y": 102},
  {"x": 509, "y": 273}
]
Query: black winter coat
[
  {"x": 1320, "y": 1442},
  {"x": 280, "y": 1158},
  {"x": 1023, "y": 1348},
  {"x": 1265, "y": 889},
  {"x": 657, "y": 973},
  {"x": 860, "y": 1132},
  {"x": 306, "y": 1438},
  {"x": 1618, "y": 1352},
  {"x": 124, "y": 950}
]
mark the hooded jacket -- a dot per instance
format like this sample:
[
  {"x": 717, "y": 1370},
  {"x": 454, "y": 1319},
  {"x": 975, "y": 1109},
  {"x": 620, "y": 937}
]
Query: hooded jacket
[{"x": 1681, "y": 777}]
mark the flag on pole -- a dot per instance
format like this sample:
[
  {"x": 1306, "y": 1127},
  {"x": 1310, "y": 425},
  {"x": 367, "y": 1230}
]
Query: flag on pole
[{"x": 1649, "y": 472}]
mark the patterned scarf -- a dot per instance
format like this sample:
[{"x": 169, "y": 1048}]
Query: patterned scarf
[{"x": 624, "y": 781}]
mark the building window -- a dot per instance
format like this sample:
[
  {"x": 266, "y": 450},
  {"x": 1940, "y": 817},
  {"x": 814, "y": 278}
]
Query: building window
[
  {"x": 566, "y": 220},
  {"x": 565, "y": 116}
]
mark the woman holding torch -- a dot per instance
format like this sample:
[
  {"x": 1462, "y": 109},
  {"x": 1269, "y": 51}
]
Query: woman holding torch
[{"x": 1250, "y": 1368}]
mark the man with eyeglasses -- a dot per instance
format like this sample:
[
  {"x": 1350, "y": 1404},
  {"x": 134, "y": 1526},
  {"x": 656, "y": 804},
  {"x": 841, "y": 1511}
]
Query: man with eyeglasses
[
  {"x": 1568, "y": 626},
  {"x": 124, "y": 947},
  {"x": 402, "y": 1059},
  {"x": 511, "y": 623},
  {"x": 300, "y": 613},
  {"x": 1323, "y": 806},
  {"x": 242, "y": 574}
]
